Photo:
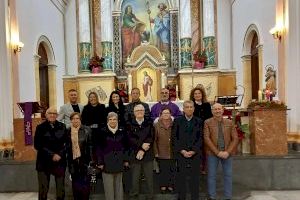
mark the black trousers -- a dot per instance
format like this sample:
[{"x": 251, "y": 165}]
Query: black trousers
[
  {"x": 191, "y": 171},
  {"x": 44, "y": 179},
  {"x": 81, "y": 186},
  {"x": 166, "y": 172}
]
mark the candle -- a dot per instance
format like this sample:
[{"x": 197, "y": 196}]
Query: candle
[
  {"x": 259, "y": 95},
  {"x": 176, "y": 88}
]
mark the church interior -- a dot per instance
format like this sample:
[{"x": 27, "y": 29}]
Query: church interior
[{"x": 247, "y": 51}]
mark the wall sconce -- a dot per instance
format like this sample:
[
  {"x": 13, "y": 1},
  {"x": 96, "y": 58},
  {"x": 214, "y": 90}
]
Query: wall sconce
[
  {"x": 276, "y": 32},
  {"x": 18, "y": 46}
]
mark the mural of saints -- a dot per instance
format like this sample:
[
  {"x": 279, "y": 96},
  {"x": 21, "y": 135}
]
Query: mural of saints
[{"x": 145, "y": 22}]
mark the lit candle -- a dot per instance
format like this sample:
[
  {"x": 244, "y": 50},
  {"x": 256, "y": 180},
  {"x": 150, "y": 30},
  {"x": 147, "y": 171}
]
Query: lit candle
[
  {"x": 176, "y": 88},
  {"x": 259, "y": 95}
]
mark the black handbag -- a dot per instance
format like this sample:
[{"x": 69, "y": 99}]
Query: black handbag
[{"x": 92, "y": 172}]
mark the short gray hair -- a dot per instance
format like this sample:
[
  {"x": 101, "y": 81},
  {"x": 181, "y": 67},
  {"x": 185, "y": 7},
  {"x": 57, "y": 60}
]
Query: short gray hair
[
  {"x": 188, "y": 102},
  {"x": 112, "y": 114},
  {"x": 138, "y": 106}
]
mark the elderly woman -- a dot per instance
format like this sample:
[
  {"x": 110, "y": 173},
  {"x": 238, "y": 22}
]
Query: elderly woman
[
  {"x": 140, "y": 133},
  {"x": 79, "y": 155},
  {"x": 162, "y": 150},
  {"x": 112, "y": 157}
]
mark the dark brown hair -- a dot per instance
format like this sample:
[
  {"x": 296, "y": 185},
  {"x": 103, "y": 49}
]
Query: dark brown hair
[
  {"x": 74, "y": 114},
  {"x": 202, "y": 90}
]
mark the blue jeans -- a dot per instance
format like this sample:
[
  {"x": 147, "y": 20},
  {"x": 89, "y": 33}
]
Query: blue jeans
[{"x": 212, "y": 163}]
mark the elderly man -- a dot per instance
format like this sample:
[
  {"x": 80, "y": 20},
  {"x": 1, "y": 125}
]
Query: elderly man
[
  {"x": 163, "y": 103},
  {"x": 221, "y": 139},
  {"x": 67, "y": 109},
  {"x": 140, "y": 133},
  {"x": 186, "y": 141},
  {"x": 129, "y": 114},
  {"x": 50, "y": 142}
]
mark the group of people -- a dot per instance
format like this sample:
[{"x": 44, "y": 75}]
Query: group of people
[{"x": 118, "y": 138}]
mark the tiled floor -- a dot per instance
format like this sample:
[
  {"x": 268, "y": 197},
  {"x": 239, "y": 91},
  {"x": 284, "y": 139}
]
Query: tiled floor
[{"x": 255, "y": 195}]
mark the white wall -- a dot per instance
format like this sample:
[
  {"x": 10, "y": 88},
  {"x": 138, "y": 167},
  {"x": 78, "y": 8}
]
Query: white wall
[
  {"x": 262, "y": 14},
  {"x": 224, "y": 34},
  {"x": 36, "y": 18},
  {"x": 71, "y": 39},
  {"x": 293, "y": 65}
]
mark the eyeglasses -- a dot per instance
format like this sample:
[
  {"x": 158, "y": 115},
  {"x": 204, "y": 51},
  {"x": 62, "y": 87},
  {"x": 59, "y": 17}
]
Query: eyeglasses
[
  {"x": 138, "y": 110},
  {"x": 164, "y": 92}
]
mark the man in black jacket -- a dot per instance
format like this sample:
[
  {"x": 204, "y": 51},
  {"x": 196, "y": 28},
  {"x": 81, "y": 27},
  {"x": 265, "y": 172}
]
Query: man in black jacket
[
  {"x": 50, "y": 142},
  {"x": 140, "y": 134},
  {"x": 186, "y": 141}
]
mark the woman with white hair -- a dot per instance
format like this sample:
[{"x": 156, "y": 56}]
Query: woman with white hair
[{"x": 113, "y": 157}]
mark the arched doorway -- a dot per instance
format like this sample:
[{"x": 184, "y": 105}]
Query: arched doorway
[
  {"x": 43, "y": 73},
  {"x": 254, "y": 66}
]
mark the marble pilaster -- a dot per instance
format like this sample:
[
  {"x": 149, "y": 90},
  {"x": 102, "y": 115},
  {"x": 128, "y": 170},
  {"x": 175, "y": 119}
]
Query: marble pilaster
[
  {"x": 209, "y": 35},
  {"x": 6, "y": 105},
  {"x": 185, "y": 34},
  {"x": 246, "y": 61},
  {"x": 85, "y": 45}
]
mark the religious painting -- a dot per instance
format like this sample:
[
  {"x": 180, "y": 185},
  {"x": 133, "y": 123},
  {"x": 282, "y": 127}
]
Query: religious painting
[
  {"x": 147, "y": 82},
  {"x": 146, "y": 22}
]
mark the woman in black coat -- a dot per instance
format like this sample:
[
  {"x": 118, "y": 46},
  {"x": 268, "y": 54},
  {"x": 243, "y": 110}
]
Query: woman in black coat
[
  {"x": 94, "y": 116},
  {"x": 116, "y": 105},
  {"x": 203, "y": 111},
  {"x": 113, "y": 157},
  {"x": 79, "y": 156}
]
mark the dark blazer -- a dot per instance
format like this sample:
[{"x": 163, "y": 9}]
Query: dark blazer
[
  {"x": 183, "y": 140},
  {"x": 203, "y": 111},
  {"x": 48, "y": 141},
  {"x": 139, "y": 134},
  {"x": 113, "y": 151},
  {"x": 129, "y": 115},
  {"x": 80, "y": 165}
]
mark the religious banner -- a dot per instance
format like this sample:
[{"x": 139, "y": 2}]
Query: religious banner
[{"x": 28, "y": 123}]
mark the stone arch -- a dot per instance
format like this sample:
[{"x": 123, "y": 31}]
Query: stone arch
[
  {"x": 251, "y": 31},
  {"x": 51, "y": 69}
]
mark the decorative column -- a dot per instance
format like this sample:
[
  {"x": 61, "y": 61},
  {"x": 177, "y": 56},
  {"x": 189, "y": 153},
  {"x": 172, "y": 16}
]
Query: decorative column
[
  {"x": 246, "y": 60},
  {"x": 52, "y": 84},
  {"x": 117, "y": 43},
  {"x": 209, "y": 39},
  {"x": 36, "y": 59},
  {"x": 106, "y": 35},
  {"x": 185, "y": 34},
  {"x": 260, "y": 66},
  {"x": 6, "y": 105},
  {"x": 163, "y": 79},
  {"x": 85, "y": 45},
  {"x": 174, "y": 38}
]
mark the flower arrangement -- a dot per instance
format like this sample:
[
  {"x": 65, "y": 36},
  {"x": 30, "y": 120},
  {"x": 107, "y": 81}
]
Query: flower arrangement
[
  {"x": 200, "y": 56},
  {"x": 265, "y": 104},
  {"x": 95, "y": 64}
]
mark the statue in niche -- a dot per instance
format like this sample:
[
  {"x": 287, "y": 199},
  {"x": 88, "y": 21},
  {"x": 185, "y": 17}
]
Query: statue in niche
[
  {"x": 147, "y": 84},
  {"x": 270, "y": 79}
]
